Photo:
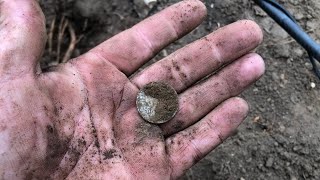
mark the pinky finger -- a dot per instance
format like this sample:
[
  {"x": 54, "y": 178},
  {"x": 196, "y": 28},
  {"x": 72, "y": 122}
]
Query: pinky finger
[{"x": 191, "y": 145}]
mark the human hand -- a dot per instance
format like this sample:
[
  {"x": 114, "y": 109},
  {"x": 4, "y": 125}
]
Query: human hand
[{"x": 79, "y": 120}]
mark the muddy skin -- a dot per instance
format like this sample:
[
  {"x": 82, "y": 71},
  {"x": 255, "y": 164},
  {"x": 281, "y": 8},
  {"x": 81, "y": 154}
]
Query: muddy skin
[
  {"x": 56, "y": 147},
  {"x": 146, "y": 130},
  {"x": 178, "y": 125},
  {"x": 109, "y": 154}
]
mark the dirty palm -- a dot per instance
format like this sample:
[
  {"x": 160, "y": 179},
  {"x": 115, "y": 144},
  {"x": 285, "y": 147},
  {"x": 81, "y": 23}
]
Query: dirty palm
[{"x": 79, "y": 120}]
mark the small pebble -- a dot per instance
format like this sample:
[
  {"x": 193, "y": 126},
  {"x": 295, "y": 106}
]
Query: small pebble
[
  {"x": 313, "y": 85},
  {"x": 269, "y": 162}
]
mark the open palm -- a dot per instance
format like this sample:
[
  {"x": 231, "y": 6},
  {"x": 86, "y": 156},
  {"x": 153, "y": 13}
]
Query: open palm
[{"x": 79, "y": 120}]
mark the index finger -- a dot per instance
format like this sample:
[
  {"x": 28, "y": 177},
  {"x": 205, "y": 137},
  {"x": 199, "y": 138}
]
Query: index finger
[{"x": 133, "y": 47}]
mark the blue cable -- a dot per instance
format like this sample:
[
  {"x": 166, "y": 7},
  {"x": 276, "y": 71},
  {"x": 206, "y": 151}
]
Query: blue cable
[{"x": 287, "y": 22}]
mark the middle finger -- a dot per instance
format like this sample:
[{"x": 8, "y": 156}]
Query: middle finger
[{"x": 199, "y": 59}]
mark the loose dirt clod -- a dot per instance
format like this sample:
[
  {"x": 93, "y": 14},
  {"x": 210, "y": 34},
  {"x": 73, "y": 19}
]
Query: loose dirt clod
[{"x": 157, "y": 102}]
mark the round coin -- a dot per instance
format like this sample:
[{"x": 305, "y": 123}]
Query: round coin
[{"x": 157, "y": 102}]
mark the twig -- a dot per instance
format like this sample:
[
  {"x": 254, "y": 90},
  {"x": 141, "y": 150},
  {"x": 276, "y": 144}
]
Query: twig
[
  {"x": 72, "y": 44},
  {"x": 62, "y": 28},
  {"x": 50, "y": 35}
]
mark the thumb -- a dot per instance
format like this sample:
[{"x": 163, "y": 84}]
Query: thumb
[{"x": 22, "y": 35}]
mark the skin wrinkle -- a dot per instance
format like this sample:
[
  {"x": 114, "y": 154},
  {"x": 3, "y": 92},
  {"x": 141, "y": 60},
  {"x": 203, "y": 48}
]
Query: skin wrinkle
[
  {"x": 114, "y": 105},
  {"x": 150, "y": 48},
  {"x": 85, "y": 103},
  {"x": 75, "y": 161},
  {"x": 121, "y": 98},
  {"x": 182, "y": 76},
  {"x": 197, "y": 153},
  {"x": 181, "y": 149}
]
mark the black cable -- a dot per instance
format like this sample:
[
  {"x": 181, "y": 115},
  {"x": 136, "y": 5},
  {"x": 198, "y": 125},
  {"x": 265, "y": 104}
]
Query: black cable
[
  {"x": 277, "y": 5},
  {"x": 315, "y": 65},
  {"x": 287, "y": 22}
]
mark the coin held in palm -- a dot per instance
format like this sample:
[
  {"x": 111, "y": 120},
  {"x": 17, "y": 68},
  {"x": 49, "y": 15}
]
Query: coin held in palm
[{"x": 157, "y": 102}]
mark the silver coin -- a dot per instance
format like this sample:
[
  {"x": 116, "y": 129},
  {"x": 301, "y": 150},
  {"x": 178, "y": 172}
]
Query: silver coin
[{"x": 157, "y": 102}]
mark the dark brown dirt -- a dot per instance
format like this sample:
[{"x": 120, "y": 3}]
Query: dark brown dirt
[
  {"x": 147, "y": 131},
  {"x": 109, "y": 154},
  {"x": 280, "y": 139},
  {"x": 168, "y": 101}
]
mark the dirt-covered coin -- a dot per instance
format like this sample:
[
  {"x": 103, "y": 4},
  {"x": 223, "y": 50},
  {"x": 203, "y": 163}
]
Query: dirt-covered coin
[{"x": 157, "y": 102}]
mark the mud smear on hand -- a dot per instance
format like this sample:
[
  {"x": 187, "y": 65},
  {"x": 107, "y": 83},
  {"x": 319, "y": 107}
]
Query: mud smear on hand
[
  {"x": 147, "y": 130},
  {"x": 109, "y": 154}
]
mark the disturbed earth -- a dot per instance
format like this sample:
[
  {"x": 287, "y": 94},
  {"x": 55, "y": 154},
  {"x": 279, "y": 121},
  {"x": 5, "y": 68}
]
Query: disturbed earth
[{"x": 280, "y": 139}]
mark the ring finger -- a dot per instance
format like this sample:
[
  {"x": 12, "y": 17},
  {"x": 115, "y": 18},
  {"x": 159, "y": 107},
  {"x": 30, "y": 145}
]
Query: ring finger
[{"x": 199, "y": 100}]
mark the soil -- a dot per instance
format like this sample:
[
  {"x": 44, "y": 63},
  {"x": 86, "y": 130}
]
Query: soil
[{"x": 280, "y": 138}]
